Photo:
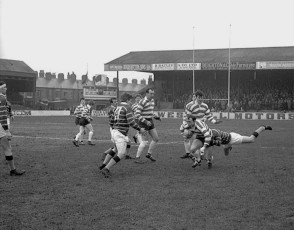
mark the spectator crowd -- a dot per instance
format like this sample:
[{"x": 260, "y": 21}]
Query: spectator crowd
[{"x": 276, "y": 95}]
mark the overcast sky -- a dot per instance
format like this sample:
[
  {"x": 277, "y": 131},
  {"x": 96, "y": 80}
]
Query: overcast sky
[{"x": 68, "y": 35}]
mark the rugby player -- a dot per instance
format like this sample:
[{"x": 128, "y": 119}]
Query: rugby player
[
  {"x": 10, "y": 116},
  {"x": 78, "y": 113},
  {"x": 84, "y": 122},
  {"x": 144, "y": 114},
  {"x": 216, "y": 137},
  {"x": 228, "y": 139},
  {"x": 5, "y": 135},
  {"x": 113, "y": 105},
  {"x": 138, "y": 137},
  {"x": 121, "y": 120}
]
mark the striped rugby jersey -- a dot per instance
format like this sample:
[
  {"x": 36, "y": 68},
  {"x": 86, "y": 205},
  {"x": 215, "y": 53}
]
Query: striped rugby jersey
[
  {"x": 224, "y": 137},
  {"x": 205, "y": 131},
  {"x": 78, "y": 111},
  {"x": 134, "y": 107},
  {"x": 200, "y": 111},
  {"x": 123, "y": 119},
  {"x": 145, "y": 109},
  {"x": 9, "y": 109},
  {"x": 3, "y": 111},
  {"x": 83, "y": 111},
  {"x": 111, "y": 113}
]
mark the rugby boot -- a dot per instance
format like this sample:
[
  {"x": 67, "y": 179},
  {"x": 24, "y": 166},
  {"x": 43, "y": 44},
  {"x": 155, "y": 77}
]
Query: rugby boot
[
  {"x": 76, "y": 143},
  {"x": 106, "y": 172},
  {"x": 197, "y": 162},
  {"x": 138, "y": 160},
  {"x": 102, "y": 166},
  {"x": 91, "y": 143},
  {"x": 209, "y": 163},
  {"x": 81, "y": 143},
  {"x": 16, "y": 172},
  {"x": 186, "y": 155},
  {"x": 128, "y": 157},
  {"x": 267, "y": 127},
  {"x": 149, "y": 156},
  {"x": 227, "y": 150}
]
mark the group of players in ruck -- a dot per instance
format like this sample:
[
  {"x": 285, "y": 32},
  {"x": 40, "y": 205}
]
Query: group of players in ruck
[{"x": 198, "y": 137}]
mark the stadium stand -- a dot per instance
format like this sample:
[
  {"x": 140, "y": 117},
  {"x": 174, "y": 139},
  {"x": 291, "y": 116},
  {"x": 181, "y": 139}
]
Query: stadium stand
[{"x": 260, "y": 78}]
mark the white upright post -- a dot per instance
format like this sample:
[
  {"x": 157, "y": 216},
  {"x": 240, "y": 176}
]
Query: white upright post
[
  {"x": 229, "y": 72},
  {"x": 193, "y": 60}
]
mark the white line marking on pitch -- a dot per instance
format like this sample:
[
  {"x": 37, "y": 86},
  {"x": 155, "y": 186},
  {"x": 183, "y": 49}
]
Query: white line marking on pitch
[
  {"x": 160, "y": 143},
  {"x": 68, "y": 139}
]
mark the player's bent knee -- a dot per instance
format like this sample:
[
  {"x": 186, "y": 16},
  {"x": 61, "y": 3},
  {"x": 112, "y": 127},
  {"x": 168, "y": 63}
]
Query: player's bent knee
[
  {"x": 143, "y": 143},
  {"x": 111, "y": 153},
  {"x": 186, "y": 140}
]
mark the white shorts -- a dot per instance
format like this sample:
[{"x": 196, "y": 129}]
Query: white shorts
[
  {"x": 118, "y": 137},
  {"x": 236, "y": 139}
]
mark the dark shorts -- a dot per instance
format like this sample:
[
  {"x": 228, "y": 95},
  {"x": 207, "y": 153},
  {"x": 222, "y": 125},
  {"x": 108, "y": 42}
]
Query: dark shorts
[
  {"x": 84, "y": 121},
  {"x": 77, "y": 121},
  {"x": 146, "y": 127}
]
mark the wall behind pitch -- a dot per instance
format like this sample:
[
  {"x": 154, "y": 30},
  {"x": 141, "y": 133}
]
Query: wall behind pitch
[
  {"x": 41, "y": 112},
  {"x": 219, "y": 115}
]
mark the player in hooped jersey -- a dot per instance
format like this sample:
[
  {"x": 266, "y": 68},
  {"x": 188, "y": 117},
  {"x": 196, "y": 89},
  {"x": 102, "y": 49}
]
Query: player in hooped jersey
[
  {"x": 84, "y": 122},
  {"x": 228, "y": 139},
  {"x": 113, "y": 150},
  {"x": 144, "y": 114},
  {"x": 113, "y": 105},
  {"x": 138, "y": 137},
  {"x": 5, "y": 135},
  {"x": 120, "y": 123},
  {"x": 216, "y": 137}
]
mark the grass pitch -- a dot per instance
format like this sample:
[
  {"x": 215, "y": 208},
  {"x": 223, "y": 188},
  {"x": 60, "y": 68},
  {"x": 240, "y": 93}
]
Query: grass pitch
[{"x": 252, "y": 188}]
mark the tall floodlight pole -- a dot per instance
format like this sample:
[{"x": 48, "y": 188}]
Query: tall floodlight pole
[
  {"x": 193, "y": 59},
  {"x": 117, "y": 86},
  {"x": 229, "y": 72}
]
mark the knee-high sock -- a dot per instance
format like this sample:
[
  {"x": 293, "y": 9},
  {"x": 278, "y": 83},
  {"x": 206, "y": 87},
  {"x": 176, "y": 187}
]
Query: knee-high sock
[
  {"x": 260, "y": 129},
  {"x": 187, "y": 146},
  {"x": 81, "y": 137},
  {"x": 107, "y": 158},
  {"x": 121, "y": 153},
  {"x": 90, "y": 136},
  {"x": 256, "y": 133},
  {"x": 112, "y": 162},
  {"x": 141, "y": 148},
  {"x": 139, "y": 136},
  {"x": 196, "y": 154},
  {"x": 11, "y": 164},
  {"x": 78, "y": 136},
  {"x": 128, "y": 149},
  {"x": 152, "y": 146}
]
